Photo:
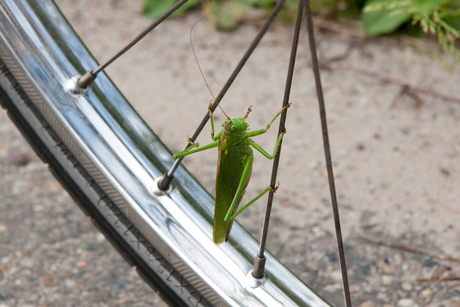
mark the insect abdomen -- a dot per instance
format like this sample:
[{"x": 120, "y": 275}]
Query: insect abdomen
[{"x": 229, "y": 173}]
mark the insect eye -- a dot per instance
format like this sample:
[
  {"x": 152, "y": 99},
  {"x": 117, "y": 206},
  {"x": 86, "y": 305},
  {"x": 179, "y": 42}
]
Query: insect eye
[{"x": 233, "y": 127}]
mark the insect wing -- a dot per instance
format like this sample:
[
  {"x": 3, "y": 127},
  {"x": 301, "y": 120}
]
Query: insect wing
[{"x": 229, "y": 171}]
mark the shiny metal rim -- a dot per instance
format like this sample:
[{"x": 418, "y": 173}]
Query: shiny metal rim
[{"x": 125, "y": 158}]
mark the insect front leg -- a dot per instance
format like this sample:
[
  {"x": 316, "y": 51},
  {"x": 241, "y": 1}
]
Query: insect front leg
[
  {"x": 262, "y": 131},
  {"x": 262, "y": 151},
  {"x": 187, "y": 151},
  {"x": 211, "y": 117},
  {"x": 193, "y": 145}
]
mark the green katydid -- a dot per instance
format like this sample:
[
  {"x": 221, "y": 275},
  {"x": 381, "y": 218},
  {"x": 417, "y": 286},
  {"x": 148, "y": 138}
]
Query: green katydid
[{"x": 234, "y": 167}]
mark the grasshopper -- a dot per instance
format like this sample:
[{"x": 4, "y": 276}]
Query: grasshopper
[{"x": 234, "y": 168}]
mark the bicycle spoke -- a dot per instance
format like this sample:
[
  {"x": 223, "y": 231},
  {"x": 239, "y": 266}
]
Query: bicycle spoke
[
  {"x": 165, "y": 182},
  {"x": 259, "y": 261},
  {"x": 91, "y": 75},
  {"x": 327, "y": 153}
]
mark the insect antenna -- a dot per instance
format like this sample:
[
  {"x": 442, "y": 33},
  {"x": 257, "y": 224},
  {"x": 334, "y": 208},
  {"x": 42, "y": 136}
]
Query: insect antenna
[{"x": 199, "y": 67}]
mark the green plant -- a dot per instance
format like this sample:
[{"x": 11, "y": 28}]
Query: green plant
[
  {"x": 155, "y": 8},
  {"x": 379, "y": 17},
  {"x": 440, "y": 17},
  {"x": 227, "y": 14}
]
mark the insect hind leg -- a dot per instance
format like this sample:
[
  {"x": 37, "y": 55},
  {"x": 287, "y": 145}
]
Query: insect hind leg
[{"x": 231, "y": 217}]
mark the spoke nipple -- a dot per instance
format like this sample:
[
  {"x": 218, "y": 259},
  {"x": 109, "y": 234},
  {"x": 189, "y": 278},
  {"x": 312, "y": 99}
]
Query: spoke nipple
[
  {"x": 86, "y": 80},
  {"x": 162, "y": 185},
  {"x": 259, "y": 267},
  {"x": 73, "y": 86},
  {"x": 251, "y": 282}
]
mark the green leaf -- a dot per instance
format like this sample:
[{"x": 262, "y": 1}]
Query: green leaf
[
  {"x": 229, "y": 14},
  {"x": 383, "y": 21},
  {"x": 426, "y": 7},
  {"x": 265, "y": 4},
  {"x": 453, "y": 21},
  {"x": 155, "y": 8}
]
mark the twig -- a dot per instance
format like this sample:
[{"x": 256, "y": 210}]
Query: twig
[
  {"x": 436, "y": 279},
  {"x": 351, "y": 30},
  {"x": 408, "y": 249},
  {"x": 354, "y": 29},
  {"x": 407, "y": 87},
  {"x": 406, "y": 90},
  {"x": 354, "y": 44}
]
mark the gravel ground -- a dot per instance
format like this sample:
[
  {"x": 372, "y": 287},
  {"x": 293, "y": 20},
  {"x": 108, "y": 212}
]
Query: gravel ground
[
  {"x": 50, "y": 253},
  {"x": 394, "y": 121}
]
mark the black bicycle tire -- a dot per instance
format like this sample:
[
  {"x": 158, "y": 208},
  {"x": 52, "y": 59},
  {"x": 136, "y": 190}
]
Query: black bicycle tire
[{"x": 21, "y": 96}]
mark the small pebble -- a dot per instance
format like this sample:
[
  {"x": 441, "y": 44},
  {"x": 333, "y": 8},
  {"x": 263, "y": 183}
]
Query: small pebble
[
  {"x": 21, "y": 159},
  {"x": 49, "y": 280},
  {"x": 333, "y": 288},
  {"x": 366, "y": 215},
  {"x": 364, "y": 269},
  {"x": 69, "y": 283},
  {"x": 355, "y": 288},
  {"x": 384, "y": 265},
  {"x": 5, "y": 267},
  {"x": 414, "y": 268},
  {"x": 426, "y": 293},
  {"x": 37, "y": 208},
  {"x": 124, "y": 300},
  {"x": 406, "y": 286},
  {"x": 429, "y": 263},
  {"x": 331, "y": 256},
  {"x": 444, "y": 171},
  {"x": 314, "y": 164},
  {"x": 387, "y": 280},
  {"x": 397, "y": 259},
  {"x": 367, "y": 304},
  {"x": 336, "y": 275},
  {"x": 406, "y": 302},
  {"x": 287, "y": 203},
  {"x": 382, "y": 296},
  {"x": 316, "y": 230}
]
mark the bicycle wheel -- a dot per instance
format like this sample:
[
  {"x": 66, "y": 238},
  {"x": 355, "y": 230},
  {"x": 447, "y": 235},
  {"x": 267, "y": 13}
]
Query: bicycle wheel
[{"x": 102, "y": 152}]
